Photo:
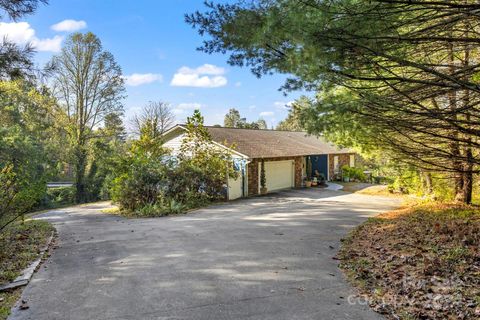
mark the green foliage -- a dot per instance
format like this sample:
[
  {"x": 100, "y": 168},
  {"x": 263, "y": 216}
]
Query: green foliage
[
  {"x": 407, "y": 182},
  {"x": 150, "y": 182},
  {"x": 15, "y": 61},
  {"x": 263, "y": 179},
  {"x": 24, "y": 127},
  {"x": 209, "y": 163},
  {"x": 108, "y": 144},
  {"x": 234, "y": 120},
  {"x": 293, "y": 120},
  {"x": 57, "y": 197},
  {"x": 150, "y": 210},
  {"x": 142, "y": 184},
  {"x": 138, "y": 175},
  {"x": 90, "y": 88},
  {"x": 396, "y": 77},
  {"x": 354, "y": 173}
]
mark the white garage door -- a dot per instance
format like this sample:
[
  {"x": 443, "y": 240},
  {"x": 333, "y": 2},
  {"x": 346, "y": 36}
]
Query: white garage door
[
  {"x": 234, "y": 188},
  {"x": 279, "y": 174}
]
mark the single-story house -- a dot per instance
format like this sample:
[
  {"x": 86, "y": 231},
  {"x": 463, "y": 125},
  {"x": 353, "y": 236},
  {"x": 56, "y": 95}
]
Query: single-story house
[{"x": 285, "y": 155}]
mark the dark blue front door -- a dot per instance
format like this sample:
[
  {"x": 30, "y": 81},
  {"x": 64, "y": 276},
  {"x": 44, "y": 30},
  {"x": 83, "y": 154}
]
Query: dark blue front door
[{"x": 320, "y": 163}]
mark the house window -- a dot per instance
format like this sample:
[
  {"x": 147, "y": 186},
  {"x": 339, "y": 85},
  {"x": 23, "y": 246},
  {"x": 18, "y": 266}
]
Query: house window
[
  {"x": 336, "y": 168},
  {"x": 352, "y": 160}
]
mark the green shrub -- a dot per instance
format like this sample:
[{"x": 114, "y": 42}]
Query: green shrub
[
  {"x": 143, "y": 184},
  {"x": 56, "y": 197},
  {"x": 353, "y": 173},
  {"x": 407, "y": 182},
  {"x": 150, "y": 210},
  {"x": 174, "y": 207},
  {"x": 18, "y": 194},
  {"x": 357, "y": 174},
  {"x": 61, "y": 196},
  {"x": 150, "y": 182}
]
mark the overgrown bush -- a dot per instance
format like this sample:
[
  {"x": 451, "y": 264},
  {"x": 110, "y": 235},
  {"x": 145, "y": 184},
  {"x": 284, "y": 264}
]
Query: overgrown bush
[
  {"x": 17, "y": 193},
  {"x": 143, "y": 184},
  {"x": 25, "y": 126},
  {"x": 151, "y": 182}
]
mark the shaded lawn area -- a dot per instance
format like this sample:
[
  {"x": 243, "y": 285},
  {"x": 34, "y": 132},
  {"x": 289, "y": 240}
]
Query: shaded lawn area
[
  {"x": 20, "y": 244},
  {"x": 422, "y": 262}
]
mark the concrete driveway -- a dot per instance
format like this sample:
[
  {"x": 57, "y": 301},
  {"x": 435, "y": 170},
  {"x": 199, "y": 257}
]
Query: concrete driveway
[{"x": 259, "y": 258}]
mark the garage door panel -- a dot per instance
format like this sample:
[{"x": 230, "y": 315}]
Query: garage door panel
[
  {"x": 279, "y": 174},
  {"x": 235, "y": 188}
]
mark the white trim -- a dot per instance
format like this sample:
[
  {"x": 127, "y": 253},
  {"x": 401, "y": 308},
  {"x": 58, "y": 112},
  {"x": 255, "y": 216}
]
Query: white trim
[
  {"x": 178, "y": 126},
  {"x": 230, "y": 149},
  {"x": 328, "y": 167},
  {"x": 175, "y": 127}
]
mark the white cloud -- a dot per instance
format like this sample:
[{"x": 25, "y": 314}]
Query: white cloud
[
  {"x": 283, "y": 104},
  {"x": 204, "y": 76},
  {"x": 209, "y": 69},
  {"x": 18, "y": 32},
  {"x": 69, "y": 25},
  {"x": 266, "y": 113},
  {"x": 186, "y": 107},
  {"x": 22, "y": 33},
  {"x": 54, "y": 44},
  {"x": 137, "y": 79}
]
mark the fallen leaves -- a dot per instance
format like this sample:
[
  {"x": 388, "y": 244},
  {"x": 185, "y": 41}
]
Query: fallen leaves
[{"x": 418, "y": 263}]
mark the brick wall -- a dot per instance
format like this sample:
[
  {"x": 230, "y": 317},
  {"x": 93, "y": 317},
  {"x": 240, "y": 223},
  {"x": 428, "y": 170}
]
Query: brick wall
[
  {"x": 254, "y": 173},
  {"x": 343, "y": 160},
  {"x": 253, "y": 177}
]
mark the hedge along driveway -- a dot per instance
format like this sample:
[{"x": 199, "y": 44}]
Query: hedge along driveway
[{"x": 259, "y": 258}]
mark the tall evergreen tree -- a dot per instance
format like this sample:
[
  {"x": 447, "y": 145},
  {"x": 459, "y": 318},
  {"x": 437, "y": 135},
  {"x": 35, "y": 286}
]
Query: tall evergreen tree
[{"x": 395, "y": 75}]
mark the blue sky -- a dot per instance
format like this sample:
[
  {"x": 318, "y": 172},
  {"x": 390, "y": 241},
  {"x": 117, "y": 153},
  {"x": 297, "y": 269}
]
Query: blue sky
[{"x": 157, "y": 52}]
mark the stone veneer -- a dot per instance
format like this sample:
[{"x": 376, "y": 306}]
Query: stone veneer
[{"x": 254, "y": 174}]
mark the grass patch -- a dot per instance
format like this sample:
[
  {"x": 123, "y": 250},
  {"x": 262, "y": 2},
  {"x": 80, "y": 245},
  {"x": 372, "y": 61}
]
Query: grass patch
[
  {"x": 171, "y": 207},
  {"x": 20, "y": 244},
  {"x": 420, "y": 262},
  {"x": 8, "y": 300},
  {"x": 368, "y": 189},
  {"x": 112, "y": 210}
]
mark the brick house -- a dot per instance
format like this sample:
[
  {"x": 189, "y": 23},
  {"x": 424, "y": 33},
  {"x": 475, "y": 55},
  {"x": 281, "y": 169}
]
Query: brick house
[{"x": 285, "y": 155}]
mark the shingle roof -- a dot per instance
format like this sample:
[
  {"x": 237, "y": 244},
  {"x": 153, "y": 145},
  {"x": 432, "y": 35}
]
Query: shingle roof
[{"x": 272, "y": 143}]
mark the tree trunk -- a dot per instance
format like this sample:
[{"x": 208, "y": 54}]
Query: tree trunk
[
  {"x": 467, "y": 175},
  {"x": 454, "y": 145},
  {"x": 80, "y": 168},
  {"x": 427, "y": 183},
  {"x": 468, "y": 153},
  {"x": 468, "y": 184}
]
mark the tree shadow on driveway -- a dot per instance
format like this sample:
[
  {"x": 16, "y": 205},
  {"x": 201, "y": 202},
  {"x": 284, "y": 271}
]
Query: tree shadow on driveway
[{"x": 260, "y": 258}]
